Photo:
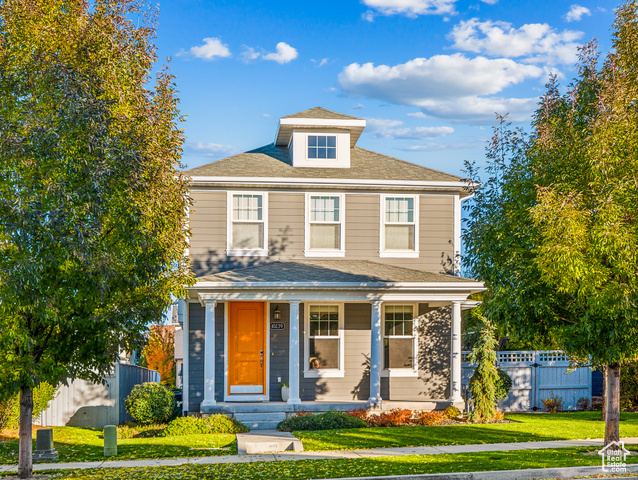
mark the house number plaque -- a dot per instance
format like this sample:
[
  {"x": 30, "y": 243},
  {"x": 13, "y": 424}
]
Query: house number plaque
[{"x": 277, "y": 325}]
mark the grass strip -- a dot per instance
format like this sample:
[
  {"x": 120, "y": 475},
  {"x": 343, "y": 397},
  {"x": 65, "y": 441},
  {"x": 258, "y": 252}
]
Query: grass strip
[
  {"x": 526, "y": 427},
  {"x": 305, "y": 469}
]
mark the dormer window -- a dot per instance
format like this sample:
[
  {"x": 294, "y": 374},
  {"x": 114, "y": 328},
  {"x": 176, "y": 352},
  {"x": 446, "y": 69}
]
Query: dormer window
[{"x": 322, "y": 146}]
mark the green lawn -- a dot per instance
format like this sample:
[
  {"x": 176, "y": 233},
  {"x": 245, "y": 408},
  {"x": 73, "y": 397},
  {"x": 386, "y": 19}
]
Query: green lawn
[
  {"x": 527, "y": 427},
  {"x": 303, "y": 469},
  {"x": 86, "y": 444}
]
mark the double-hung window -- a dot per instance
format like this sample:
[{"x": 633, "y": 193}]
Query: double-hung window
[
  {"x": 325, "y": 225},
  {"x": 324, "y": 341},
  {"x": 399, "y": 226},
  {"x": 247, "y": 224},
  {"x": 400, "y": 340}
]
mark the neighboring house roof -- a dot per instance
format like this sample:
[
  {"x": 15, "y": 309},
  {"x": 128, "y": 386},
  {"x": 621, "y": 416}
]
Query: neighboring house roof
[
  {"x": 322, "y": 113},
  {"x": 329, "y": 271},
  {"x": 270, "y": 161}
]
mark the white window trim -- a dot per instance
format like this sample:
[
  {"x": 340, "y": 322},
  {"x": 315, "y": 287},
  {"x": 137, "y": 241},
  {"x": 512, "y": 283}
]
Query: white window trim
[
  {"x": 383, "y": 253},
  {"x": 403, "y": 372},
  {"x": 327, "y": 372},
  {"x": 326, "y": 252},
  {"x": 245, "y": 252}
]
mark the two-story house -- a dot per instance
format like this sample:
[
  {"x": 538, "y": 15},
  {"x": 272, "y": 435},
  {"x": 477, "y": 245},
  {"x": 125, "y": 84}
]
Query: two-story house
[{"x": 325, "y": 266}]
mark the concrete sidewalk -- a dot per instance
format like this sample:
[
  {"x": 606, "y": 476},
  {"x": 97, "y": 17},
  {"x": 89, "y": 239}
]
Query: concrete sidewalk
[{"x": 364, "y": 453}]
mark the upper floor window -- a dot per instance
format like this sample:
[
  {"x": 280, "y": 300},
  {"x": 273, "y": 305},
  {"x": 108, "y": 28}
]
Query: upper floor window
[
  {"x": 400, "y": 340},
  {"x": 399, "y": 226},
  {"x": 325, "y": 225},
  {"x": 322, "y": 146},
  {"x": 324, "y": 342},
  {"x": 247, "y": 224}
]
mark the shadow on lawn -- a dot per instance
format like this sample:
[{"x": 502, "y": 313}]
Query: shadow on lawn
[{"x": 92, "y": 448}]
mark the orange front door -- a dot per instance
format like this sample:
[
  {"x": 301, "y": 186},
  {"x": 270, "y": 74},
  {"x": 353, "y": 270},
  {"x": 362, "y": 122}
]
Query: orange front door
[{"x": 247, "y": 348}]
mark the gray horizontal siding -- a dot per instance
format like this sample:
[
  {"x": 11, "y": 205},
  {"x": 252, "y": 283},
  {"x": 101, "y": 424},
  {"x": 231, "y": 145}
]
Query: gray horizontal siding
[
  {"x": 195, "y": 356},
  {"x": 286, "y": 219}
]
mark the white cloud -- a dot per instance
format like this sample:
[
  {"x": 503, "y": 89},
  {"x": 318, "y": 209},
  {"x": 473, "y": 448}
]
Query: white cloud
[
  {"x": 387, "y": 128},
  {"x": 265, "y": 115},
  {"x": 429, "y": 147},
  {"x": 417, "y": 115},
  {"x": 212, "y": 48},
  {"x": 453, "y": 87},
  {"x": 535, "y": 42},
  {"x": 358, "y": 106},
  {"x": 249, "y": 54},
  {"x": 320, "y": 63},
  {"x": 409, "y": 8},
  {"x": 576, "y": 13},
  {"x": 490, "y": 2},
  {"x": 210, "y": 149},
  {"x": 284, "y": 54}
]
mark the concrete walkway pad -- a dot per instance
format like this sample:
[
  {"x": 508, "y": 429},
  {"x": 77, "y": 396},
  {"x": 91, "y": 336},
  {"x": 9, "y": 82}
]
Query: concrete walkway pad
[{"x": 267, "y": 441}]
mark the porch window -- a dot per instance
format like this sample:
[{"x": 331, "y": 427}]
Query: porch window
[
  {"x": 247, "y": 224},
  {"x": 400, "y": 338},
  {"x": 324, "y": 346},
  {"x": 399, "y": 226},
  {"x": 325, "y": 226}
]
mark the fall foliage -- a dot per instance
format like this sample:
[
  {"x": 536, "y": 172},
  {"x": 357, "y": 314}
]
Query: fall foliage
[{"x": 159, "y": 353}]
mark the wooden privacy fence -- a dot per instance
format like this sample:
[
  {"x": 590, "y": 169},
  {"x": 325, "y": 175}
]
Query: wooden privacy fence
[
  {"x": 85, "y": 404},
  {"x": 537, "y": 375}
]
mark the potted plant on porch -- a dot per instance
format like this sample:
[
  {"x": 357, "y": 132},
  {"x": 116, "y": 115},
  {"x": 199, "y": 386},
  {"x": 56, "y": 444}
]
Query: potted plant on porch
[{"x": 285, "y": 392}]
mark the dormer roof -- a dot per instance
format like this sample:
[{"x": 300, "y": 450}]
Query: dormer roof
[
  {"x": 318, "y": 119},
  {"x": 322, "y": 113}
]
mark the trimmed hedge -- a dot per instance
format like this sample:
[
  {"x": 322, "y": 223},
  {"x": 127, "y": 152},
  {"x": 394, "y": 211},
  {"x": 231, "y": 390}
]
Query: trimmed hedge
[
  {"x": 217, "y": 423},
  {"x": 324, "y": 421},
  {"x": 150, "y": 403}
]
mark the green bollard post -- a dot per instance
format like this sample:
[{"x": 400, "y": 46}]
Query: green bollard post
[{"x": 110, "y": 441}]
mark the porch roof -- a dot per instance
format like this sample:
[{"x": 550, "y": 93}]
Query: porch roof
[{"x": 329, "y": 273}]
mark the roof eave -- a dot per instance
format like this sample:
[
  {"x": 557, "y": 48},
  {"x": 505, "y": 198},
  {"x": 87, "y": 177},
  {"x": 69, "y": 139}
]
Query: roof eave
[{"x": 463, "y": 186}]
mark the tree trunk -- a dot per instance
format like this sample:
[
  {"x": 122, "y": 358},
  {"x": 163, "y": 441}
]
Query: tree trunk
[
  {"x": 612, "y": 417},
  {"x": 603, "y": 415},
  {"x": 25, "y": 459}
]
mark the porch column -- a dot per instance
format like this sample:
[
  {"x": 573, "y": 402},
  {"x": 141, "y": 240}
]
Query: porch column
[
  {"x": 293, "y": 353},
  {"x": 455, "y": 357},
  {"x": 375, "y": 354},
  {"x": 209, "y": 354}
]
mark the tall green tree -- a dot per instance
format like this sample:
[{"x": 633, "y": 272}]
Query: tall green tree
[
  {"x": 554, "y": 229},
  {"x": 92, "y": 201}
]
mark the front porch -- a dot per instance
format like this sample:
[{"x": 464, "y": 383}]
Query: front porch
[{"x": 339, "y": 338}]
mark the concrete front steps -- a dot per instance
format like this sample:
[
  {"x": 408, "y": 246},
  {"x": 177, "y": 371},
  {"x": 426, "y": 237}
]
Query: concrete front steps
[
  {"x": 261, "y": 420},
  {"x": 267, "y": 441}
]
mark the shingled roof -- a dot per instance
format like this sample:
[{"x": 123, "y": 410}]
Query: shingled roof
[
  {"x": 275, "y": 162},
  {"x": 330, "y": 271},
  {"x": 322, "y": 113}
]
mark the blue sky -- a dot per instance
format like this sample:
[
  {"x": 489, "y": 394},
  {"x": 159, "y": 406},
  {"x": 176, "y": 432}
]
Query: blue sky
[{"x": 427, "y": 75}]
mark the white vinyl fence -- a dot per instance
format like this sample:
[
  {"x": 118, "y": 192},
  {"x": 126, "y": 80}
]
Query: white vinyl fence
[
  {"x": 85, "y": 404},
  {"x": 537, "y": 375}
]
